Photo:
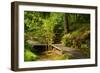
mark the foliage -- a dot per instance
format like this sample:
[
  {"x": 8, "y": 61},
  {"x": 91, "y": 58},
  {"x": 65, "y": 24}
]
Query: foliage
[
  {"x": 66, "y": 40},
  {"x": 29, "y": 56},
  {"x": 41, "y": 28},
  {"x": 49, "y": 28},
  {"x": 78, "y": 39},
  {"x": 27, "y": 46}
]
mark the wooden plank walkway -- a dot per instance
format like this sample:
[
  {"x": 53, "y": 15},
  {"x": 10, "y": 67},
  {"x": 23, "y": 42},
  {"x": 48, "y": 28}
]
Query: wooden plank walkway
[
  {"x": 61, "y": 47},
  {"x": 77, "y": 54}
]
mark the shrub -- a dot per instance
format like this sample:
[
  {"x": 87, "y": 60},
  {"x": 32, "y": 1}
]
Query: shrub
[
  {"x": 29, "y": 56},
  {"x": 66, "y": 40},
  {"x": 27, "y": 45}
]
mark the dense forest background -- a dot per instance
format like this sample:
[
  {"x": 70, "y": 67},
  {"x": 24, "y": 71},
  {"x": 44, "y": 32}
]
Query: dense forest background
[{"x": 69, "y": 29}]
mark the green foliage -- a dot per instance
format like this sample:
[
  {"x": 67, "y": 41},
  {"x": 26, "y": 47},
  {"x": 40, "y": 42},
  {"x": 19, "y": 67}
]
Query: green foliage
[
  {"x": 28, "y": 46},
  {"x": 41, "y": 28},
  {"x": 29, "y": 56},
  {"x": 85, "y": 49},
  {"x": 66, "y": 40},
  {"x": 32, "y": 18},
  {"x": 78, "y": 39},
  {"x": 48, "y": 28}
]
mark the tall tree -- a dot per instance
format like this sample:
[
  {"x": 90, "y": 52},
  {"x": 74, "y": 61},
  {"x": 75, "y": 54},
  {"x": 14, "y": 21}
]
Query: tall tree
[{"x": 66, "y": 23}]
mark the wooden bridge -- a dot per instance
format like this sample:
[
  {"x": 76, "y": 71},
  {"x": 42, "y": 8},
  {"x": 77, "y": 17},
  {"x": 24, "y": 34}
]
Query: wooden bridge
[
  {"x": 76, "y": 53},
  {"x": 60, "y": 49}
]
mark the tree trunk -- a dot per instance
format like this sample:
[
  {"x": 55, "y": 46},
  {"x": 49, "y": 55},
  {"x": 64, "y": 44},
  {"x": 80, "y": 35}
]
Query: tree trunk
[{"x": 66, "y": 24}]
